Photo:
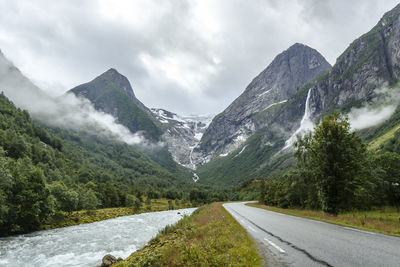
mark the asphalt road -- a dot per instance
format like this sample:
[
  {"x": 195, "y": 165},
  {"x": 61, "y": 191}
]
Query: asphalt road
[{"x": 303, "y": 242}]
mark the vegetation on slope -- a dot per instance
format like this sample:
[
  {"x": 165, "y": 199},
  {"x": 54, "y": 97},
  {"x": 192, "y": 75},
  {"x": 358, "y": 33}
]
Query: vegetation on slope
[
  {"x": 47, "y": 173},
  {"x": 110, "y": 92},
  {"x": 335, "y": 173},
  {"x": 209, "y": 237},
  {"x": 235, "y": 168}
]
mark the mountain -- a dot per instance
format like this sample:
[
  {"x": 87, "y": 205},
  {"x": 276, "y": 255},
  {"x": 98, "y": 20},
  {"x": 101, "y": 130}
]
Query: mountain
[
  {"x": 19, "y": 88},
  {"x": 111, "y": 92},
  {"x": 182, "y": 133},
  {"x": 367, "y": 72},
  {"x": 286, "y": 74},
  {"x": 104, "y": 156}
]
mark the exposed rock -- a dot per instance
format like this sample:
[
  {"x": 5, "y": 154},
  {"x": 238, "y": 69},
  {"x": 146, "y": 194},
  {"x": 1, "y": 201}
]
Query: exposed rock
[
  {"x": 108, "y": 260},
  {"x": 182, "y": 133},
  {"x": 287, "y": 73}
]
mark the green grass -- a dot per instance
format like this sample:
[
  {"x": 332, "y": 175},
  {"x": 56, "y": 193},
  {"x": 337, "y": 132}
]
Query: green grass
[
  {"x": 383, "y": 138},
  {"x": 83, "y": 216},
  {"x": 384, "y": 220},
  {"x": 209, "y": 237}
]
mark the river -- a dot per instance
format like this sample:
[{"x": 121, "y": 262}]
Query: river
[{"x": 86, "y": 244}]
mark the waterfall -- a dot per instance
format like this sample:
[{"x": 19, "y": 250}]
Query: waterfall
[{"x": 305, "y": 125}]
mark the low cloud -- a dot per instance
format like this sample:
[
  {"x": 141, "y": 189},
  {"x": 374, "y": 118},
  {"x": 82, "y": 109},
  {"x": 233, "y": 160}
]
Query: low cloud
[
  {"x": 67, "y": 111},
  {"x": 377, "y": 111}
]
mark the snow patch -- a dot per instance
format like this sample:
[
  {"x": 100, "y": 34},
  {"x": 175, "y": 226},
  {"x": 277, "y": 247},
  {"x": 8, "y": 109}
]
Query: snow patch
[
  {"x": 198, "y": 136},
  {"x": 281, "y": 102},
  {"x": 264, "y": 93}
]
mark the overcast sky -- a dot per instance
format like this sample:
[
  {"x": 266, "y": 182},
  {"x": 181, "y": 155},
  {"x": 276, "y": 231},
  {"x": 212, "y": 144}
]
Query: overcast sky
[{"x": 190, "y": 57}]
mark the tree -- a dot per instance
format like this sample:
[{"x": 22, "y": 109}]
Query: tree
[
  {"x": 335, "y": 157},
  {"x": 25, "y": 197},
  {"x": 66, "y": 199},
  {"x": 389, "y": 164},
  {"x": 90, "y": 201},
  {"x": 262, "y": 191}
]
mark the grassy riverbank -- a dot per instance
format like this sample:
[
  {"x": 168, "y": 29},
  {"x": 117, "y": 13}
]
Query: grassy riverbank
[
  {"x": 209, "y": 237},
  {"x": 384, "y": 220},
  {"x": 82, "y": 216}
]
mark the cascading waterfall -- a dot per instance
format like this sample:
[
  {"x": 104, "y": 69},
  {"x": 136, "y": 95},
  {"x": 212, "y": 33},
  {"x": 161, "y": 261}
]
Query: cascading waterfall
[{"x": 305, "y": 125}]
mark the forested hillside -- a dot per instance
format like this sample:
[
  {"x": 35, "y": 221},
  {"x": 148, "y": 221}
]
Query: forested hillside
[{"x": 46, "y": 171}]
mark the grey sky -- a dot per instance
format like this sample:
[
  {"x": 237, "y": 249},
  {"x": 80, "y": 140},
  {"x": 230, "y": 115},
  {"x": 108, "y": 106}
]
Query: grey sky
[{"x": 191, "y": 57}]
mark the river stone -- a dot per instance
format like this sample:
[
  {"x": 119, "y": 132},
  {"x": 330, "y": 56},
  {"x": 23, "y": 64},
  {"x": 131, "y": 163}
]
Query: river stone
[{"x": 108, "y": 260}]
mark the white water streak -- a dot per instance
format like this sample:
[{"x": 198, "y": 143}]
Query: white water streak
[{"x": 305, "y": 125}]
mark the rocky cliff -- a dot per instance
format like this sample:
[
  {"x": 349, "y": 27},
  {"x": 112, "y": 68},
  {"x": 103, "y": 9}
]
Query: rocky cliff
[
  {"x": 182, "y": 134},
  {"x": 287, "y": 73},
  {"x": 369, "y": 64}
]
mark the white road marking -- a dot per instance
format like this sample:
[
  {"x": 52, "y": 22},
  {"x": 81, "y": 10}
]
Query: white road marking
[
  {"x": 357, "y": 230},
  {"x": 252, "y": 229},
  {"x": 242, "y": 221},
  {"x": 275, "y": 246}
]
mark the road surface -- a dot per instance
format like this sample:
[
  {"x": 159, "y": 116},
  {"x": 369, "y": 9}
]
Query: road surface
[{"x": 303, "y": 242}]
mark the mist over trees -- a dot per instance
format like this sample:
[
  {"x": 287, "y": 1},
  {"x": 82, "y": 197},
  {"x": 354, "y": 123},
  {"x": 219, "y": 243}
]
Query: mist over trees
[
  {"x": 335, "y": 173},
  {"x": 46, "y": 172}
]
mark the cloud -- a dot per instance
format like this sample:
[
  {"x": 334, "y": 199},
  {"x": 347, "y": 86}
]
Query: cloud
[
  {"x": 67, "y": 111},
  {"x": 366, "y": 117},
  {"x": 184, "y": 56},
  {"x": 379, "y": 109}
]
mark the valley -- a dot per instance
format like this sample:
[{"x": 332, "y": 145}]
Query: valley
[{"x": 303, "y": 137}]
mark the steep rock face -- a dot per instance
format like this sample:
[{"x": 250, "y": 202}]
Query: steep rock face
[
  {"x": 182, "y": 133},
  {"x": 252, "y": 109},
  {"x": 368, "y": 64},
  {"x": 111, "y": 92}
]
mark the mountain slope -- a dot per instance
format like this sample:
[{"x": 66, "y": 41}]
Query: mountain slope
[
  {"x": 371, "y": 62},
  {"x": 112, "y": 93},
  {"x": 45, "y": 170},
  {"x": 182, "y": 134},
  {"x": 251, "y": 110}
]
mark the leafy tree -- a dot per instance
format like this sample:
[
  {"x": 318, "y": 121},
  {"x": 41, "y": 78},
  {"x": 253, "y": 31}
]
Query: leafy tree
[
  {"x": 389, "y": 164},
  {"x": 66, "y": 199},
  {"x": 90, "y": 200},
  {"x": 335, "y": 157},
  {"x": 24, "y": 197},
  {"x": 262, "y": 191}
]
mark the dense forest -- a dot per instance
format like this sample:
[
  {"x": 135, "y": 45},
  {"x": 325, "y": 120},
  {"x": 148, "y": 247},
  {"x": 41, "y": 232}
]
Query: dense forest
[
  {"x": 336, "y": 172},
  {"x": 49, "y": 171}
]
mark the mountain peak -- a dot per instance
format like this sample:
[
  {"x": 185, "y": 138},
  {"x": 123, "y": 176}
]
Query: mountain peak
[
  {"x": 118, "y": 81},
  {"x": 113, "y": 72}
]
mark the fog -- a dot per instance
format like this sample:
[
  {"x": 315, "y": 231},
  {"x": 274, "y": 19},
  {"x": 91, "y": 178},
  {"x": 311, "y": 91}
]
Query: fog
[
  {"x": 376, "y": 111},
  {"x": 67, "y": 111}
]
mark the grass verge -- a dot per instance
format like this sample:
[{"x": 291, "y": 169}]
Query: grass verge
[
  {"x": 209, "y": 237},
  {"x": 385, "y": 220},
  {"x": 83, "y": 216}
]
